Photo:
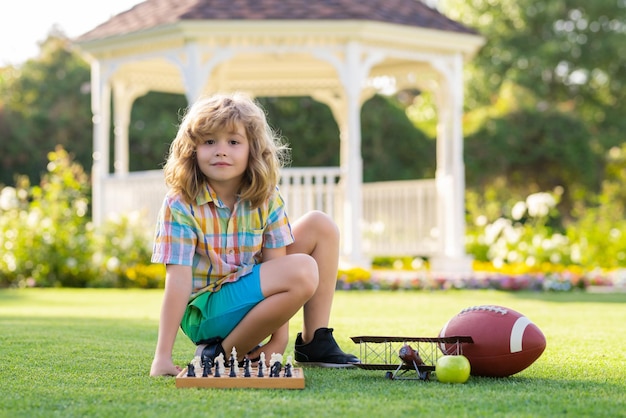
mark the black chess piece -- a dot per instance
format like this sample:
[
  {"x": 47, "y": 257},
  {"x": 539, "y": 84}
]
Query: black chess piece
[
  {"x": 275, "y": 370},
  {"x": 233, "y": 364},
  {"x": 217, "y": 370},
  {"x": 191, "y": 370},
  {"x": 260, "y": 372},
  {"x": 206, "y": 370},
  {"x": 287, "y": 370},
  {"x": 246, "y": 367}
]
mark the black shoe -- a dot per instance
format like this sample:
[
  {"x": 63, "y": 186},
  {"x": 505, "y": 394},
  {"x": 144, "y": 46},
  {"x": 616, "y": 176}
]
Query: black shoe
[
  {"x": 213, "y": 349},
  {"x": 322, "y": 351}
]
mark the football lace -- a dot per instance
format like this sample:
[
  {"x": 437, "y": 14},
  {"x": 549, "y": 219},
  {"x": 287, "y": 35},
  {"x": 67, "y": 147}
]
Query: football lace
[{"x": 490, "y": 308}]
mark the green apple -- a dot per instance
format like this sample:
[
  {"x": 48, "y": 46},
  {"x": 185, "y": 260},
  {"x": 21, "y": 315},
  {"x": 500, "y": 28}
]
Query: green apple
[{"x": 452, "y": 369}]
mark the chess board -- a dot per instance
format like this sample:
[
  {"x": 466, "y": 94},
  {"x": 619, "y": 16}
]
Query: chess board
[{"x": 296, "y": 381}]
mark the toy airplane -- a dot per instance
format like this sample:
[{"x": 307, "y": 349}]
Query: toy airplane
[{"x": 395, "y": 355}]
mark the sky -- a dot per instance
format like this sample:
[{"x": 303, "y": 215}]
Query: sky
[{"x": 26, "y": 23}]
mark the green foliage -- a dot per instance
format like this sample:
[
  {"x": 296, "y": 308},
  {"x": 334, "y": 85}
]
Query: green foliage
[
  {"x": 568, "y": 57},
  {"x": 47, "y": 239},
  {"x": 524, "y": 235},
  {"x": 600, "y": 232},
  {"x": 44, "y": 228},
  {"x": 564, "y": 50},
  {"x": 44, "y": 104},
  {"x": 154, "y": 123},
  {"x": 502, "y": 230},
  {"x": 544, "y": 149},
  {"x": 393, "y": 148},
  {"x": 308, "y": 127},
  {"x": 122, "y": 254}
]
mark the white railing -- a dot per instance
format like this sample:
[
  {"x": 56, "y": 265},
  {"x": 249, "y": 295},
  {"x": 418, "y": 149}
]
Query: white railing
[
  {"x": 306, "y": 189},
  {"x": 399, "y": 217},
  {"x": 137, "y": 191}
]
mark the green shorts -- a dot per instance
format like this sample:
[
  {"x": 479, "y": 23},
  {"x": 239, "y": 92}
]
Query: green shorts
[{"x": 216, "y": 314}]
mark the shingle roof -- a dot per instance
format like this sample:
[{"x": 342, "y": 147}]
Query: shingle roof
[{"x": 153, "y": 13}]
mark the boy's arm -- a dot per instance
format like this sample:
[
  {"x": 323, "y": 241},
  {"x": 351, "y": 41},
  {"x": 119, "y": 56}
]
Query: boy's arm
[{"x": 178, "y": 286}]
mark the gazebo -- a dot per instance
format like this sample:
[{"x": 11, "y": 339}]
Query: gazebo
[{"x": 339, "y": 52}]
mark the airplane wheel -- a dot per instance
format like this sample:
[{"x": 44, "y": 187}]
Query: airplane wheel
[{"x": 389, "y": 375}]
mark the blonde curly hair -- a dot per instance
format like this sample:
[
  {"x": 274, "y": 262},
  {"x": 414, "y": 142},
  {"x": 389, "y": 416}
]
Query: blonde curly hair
[{"x": 268, "y": 153}]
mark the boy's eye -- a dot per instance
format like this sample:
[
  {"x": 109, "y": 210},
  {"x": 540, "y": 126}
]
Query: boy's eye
[{"x": 209, "y": 141}]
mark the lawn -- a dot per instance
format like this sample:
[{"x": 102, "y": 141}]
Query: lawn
[{"x": 86, "y": 353}]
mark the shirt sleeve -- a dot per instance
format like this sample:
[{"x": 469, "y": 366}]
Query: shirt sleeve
[
  {"x": 278, "y": 230},
  {"x": 175, "y": 237}
]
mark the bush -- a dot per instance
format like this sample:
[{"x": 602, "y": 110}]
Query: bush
[
  {"x": 45, "y": 235},
  {"x": 46, "y": 238},
  {"x": 533, "y": 232}
]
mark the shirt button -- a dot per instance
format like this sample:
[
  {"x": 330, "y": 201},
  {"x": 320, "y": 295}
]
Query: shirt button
[{"x": 231, "y": 252}]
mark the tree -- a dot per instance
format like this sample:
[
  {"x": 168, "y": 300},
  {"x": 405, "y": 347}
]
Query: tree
[
  {"x": 154, "y": 122},
  {"x": 569, "y": 52},
  {"x": 567, "y": 56},
  {"x": 44, "y": 103}
]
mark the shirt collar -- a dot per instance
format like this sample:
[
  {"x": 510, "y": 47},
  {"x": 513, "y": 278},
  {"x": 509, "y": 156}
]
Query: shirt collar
[{"x": 208, "y": 195}]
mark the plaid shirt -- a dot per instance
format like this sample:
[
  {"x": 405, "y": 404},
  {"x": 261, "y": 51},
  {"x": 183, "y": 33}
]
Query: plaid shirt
[{"x": 219, "y": 245}]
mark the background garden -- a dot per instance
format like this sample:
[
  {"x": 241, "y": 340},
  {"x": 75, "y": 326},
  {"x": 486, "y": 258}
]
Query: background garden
[{"x": 544, "y": 151}]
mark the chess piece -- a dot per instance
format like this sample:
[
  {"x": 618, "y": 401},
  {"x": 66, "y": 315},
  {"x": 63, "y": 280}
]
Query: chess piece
[
  {"x": 233, "y": 359},
  {"x": 246, "y": 367},
  {"x": 275, "y": 370},
  {"x": 233, "y": 365},
  {"x": 261, "y": 365},
  {"x": 219, "y": 365},
  {"x": 206, "y": 369},
  {"x": 191, "y": 370},
  {"x": 288, "y": 367},
  {"x": 197, "y": 363}
]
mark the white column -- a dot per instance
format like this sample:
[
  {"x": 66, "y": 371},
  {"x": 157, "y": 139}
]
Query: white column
[
  {"x": 100, "y": 108},
  {"x": 124, "y": 95},
  {"x": 450, "y": 174},
  {"x": 353, "y": 71}
]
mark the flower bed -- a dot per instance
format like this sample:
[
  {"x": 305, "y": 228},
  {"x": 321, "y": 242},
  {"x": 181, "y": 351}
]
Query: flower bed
[{"x": 557, "y": 279}]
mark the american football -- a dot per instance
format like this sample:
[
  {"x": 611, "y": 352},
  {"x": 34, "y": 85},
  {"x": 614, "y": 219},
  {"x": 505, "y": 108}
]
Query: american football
[{"x": 505, "y": 341}]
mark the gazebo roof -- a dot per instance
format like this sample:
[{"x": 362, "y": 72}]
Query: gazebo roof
[{"x": 153, "y": 13}]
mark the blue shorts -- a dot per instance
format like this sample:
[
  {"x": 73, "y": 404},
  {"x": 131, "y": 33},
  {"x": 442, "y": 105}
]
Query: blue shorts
[{"x": 216, "y": 314}]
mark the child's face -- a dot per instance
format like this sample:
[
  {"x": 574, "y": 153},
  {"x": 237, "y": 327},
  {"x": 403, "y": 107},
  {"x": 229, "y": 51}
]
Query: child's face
[{"x": 223, "y": 157}]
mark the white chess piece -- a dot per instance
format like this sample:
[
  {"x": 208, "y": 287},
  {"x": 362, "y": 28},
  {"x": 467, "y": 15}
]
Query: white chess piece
[
  {"x": 197, "y": 364},
  {"x": 233, "y": 355},
  {"x": 219, "y": 362}
]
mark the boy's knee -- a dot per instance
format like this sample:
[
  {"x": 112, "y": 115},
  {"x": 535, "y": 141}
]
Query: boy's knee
[
  {"x": 324, "y": 224},
  {"x": 307, "y": 272}
]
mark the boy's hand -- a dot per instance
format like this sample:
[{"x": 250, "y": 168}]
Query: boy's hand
[{"x": 164, "y": 367}]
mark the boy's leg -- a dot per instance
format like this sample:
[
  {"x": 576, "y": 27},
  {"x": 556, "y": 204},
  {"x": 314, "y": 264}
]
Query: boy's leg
[
  {"x": 317, "y": 234},
  {"x": 287, "y": 283}
]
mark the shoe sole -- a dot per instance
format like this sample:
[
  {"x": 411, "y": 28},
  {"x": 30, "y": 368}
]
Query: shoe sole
[{"x": 327, "y": 365}]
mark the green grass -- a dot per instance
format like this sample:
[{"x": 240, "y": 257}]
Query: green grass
[{"x": 71, "y": 353}]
